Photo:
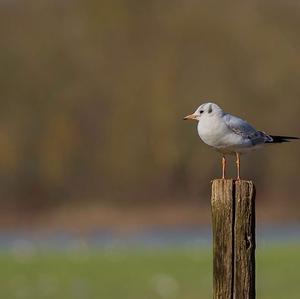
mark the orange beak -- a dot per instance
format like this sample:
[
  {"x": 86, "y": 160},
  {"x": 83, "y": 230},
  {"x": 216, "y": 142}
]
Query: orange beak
[{"x": 190, "y": 117}]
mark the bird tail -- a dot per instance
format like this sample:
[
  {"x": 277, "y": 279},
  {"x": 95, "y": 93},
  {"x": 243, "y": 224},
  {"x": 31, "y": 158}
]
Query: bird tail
[{"x": 281, "y": 139}]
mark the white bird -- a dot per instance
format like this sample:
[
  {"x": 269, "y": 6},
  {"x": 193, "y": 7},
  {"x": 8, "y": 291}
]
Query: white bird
[{"x": 229, "y": 134}]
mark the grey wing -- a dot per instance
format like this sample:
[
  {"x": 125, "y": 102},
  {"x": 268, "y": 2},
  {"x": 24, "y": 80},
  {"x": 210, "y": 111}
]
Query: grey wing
[{"x": 244, "y": 129}]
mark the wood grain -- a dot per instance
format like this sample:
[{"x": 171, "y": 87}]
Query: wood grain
[
  {"x": 222, "y": 222},
  {"x": 244, "y": 244}
]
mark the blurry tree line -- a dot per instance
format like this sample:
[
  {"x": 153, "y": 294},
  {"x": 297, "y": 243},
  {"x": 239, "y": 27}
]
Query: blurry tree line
[{"x": 93, "y": 94}]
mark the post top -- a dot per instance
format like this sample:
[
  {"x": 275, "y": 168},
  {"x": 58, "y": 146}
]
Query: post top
[{"x": 232, "y": 181}]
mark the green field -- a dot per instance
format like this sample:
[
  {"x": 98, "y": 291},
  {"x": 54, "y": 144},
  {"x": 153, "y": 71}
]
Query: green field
[{"x": 138, "y": 274}]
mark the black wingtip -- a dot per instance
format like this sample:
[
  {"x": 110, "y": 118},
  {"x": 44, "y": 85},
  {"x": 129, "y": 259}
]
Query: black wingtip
[{"x": 281, "y": 139}]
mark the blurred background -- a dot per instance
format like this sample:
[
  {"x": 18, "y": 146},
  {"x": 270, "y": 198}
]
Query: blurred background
[{"x": 104, "y": 190}]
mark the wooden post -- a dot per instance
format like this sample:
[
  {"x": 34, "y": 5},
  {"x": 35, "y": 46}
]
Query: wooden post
[{"x": 233, "y": 220}]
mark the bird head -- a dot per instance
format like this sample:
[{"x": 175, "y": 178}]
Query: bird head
[{"x": 203, "y": 111}]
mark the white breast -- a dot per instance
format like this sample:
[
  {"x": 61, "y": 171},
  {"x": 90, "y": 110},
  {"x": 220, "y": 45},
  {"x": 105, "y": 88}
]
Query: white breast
[{"x": 214, "y": 132}]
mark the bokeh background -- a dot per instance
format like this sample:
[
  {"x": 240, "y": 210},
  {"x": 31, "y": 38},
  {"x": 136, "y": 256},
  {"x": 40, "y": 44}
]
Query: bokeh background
[{"x": 104, "y": 190}]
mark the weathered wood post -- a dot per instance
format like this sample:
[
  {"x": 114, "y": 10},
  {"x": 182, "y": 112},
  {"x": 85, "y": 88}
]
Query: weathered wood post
[{"x": 233, "y": 220}]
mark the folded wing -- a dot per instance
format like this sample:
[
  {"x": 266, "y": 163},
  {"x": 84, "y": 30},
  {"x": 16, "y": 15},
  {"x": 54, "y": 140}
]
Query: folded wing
[{"x": 244, "y": 129}]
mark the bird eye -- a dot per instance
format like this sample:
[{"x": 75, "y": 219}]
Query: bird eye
[{"x": 201, "y": 111}]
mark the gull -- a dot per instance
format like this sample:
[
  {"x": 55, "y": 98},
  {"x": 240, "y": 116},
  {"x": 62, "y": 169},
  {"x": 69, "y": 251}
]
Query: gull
[{"x": 229, "y": 134}]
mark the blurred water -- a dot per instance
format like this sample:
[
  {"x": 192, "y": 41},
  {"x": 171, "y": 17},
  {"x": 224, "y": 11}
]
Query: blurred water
[{"x": 26, "y": 243}]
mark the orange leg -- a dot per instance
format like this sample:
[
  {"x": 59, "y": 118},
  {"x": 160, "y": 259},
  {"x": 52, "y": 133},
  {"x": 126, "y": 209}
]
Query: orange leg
[
  {"x": 238, "y": 165},
  {"x": 223, "y": 166}
]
